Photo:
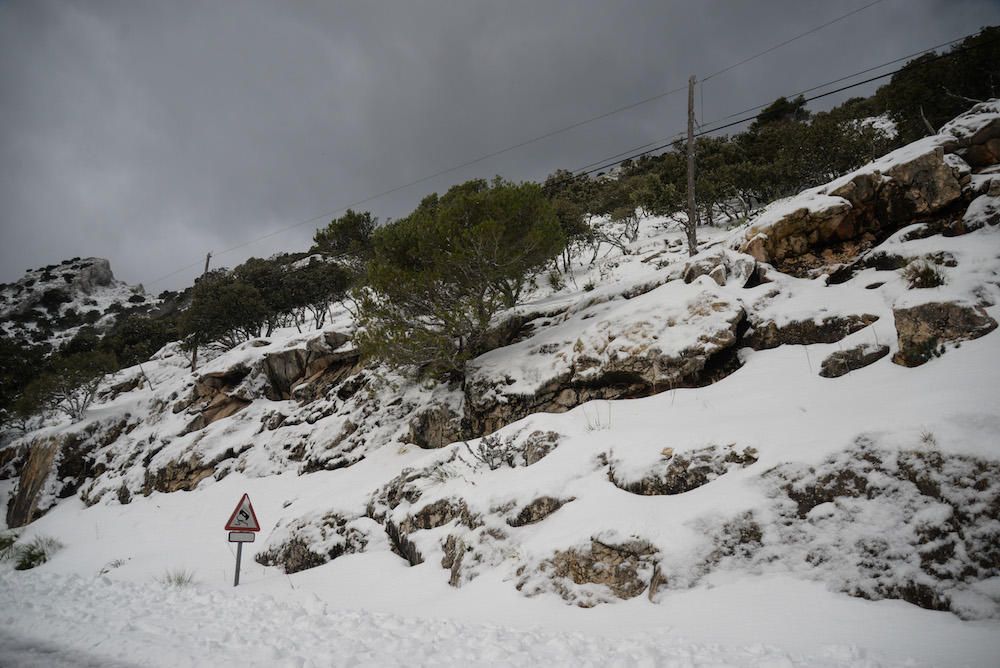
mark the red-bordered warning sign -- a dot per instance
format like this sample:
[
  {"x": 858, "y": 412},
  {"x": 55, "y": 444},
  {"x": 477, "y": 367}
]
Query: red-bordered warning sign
[{"x": 243, "y": 518}]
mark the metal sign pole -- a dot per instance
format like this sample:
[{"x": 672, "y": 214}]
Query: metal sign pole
[{"x": 239, "y": 556}]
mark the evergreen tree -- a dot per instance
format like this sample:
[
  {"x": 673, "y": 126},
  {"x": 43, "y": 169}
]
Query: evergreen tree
[{"x": 438, "y": 276}]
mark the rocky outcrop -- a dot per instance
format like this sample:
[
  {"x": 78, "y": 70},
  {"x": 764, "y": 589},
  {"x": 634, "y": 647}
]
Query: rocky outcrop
[
  {"x": 679, "y": 473},
  {"x": 621, "y": 359},
  {"x": 304, "y": 374},
  {"x": 925, "y": 329},
  {"x": 330, "y": 537},
  {"x": 437, "y": 514},
  {"x": 23, "y": 505},
  {"x": 833, "y": 224},
  {"x": 93, "y": 273},
  {"x": 625, "y": 569},
  {"x": 723, "y": 268},
  {"x": 916, "y": 525},
  {"x": 435, "y": 427},
  {"x": 177, "y": 476},
  {"x": 767, "y": 335},
  {"x": 213, "y": 398},
  {"x": 537, "y": 510},
  {"x": 843, "y": 362}
]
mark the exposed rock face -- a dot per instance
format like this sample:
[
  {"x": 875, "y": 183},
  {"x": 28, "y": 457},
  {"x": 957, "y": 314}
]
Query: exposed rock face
[
  {"x": 213, "y": 398},
  {"x": 304, "y": 374},
  {"x": 465, "y": 554},
  {"x": 768, "y": 335},
  {"x": 684, "y": 472},
  {"x": 724, "y": 267},
  {"x": 845, "y": 361},
  {"x": 834, "y": 223},
  {"x": 435, "y": 427},
  {"x": 924, "y": 330},
  {"x": 94, "y": 275},
  {"x": 177, "y": 475},
  {"x": 24, "y": 503},
  {"x": 621, "y": 360},
  {"x": 626, "y": 569},
  {"x": 537, "y": 510},
  {"x": 337, "y": 535},
  {"x": 916, "y": 525},
  {"x": 438, "y": 514},
  {"x": 293, "y": 556},
  {"x": 984, "y": 210}
]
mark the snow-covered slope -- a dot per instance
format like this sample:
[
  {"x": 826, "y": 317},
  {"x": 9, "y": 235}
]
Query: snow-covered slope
[
  {"x": 50, "y": 304},
  {"x": 782, "y": 451}
]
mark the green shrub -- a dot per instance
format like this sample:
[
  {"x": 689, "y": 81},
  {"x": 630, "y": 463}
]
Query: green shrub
[
  {"x": 7, "y": 541},
  {"x": 922, "y": 274},
  {"x": 36, "y": 552},
  {"x": 438, "y": 276}
]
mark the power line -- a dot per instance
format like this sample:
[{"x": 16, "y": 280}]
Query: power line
[
  {"x": 849, "y": 76},
  {"x": 518, "y": 145},
  {"x": 789, "y": 41},
  {"x": 612, "y": 161}
]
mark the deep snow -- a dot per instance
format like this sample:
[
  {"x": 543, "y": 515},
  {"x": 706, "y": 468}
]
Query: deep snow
[{"x": 101, "y": 594}]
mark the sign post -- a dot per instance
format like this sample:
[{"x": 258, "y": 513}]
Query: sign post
[{"x": 242, "y": 527}]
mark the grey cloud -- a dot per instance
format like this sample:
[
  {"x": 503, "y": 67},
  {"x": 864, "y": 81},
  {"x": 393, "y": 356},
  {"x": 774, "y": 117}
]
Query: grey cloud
[{"x": 150, "y": 132}]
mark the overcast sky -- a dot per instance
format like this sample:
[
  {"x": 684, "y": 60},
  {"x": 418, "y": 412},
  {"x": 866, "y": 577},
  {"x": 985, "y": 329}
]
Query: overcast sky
[{"x": 150, "y": 132}]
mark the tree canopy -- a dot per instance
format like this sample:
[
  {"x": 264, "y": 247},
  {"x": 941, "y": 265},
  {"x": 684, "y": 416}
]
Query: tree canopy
[{"x": 438, "y": 276}]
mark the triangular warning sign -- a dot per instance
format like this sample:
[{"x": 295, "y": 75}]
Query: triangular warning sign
[{"x": 243, "y": 518}]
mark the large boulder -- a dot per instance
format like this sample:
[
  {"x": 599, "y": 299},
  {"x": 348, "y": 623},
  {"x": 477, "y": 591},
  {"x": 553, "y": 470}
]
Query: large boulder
[
  {"x": 843, "y": 362},
  {"x": 923, "y": 330}
]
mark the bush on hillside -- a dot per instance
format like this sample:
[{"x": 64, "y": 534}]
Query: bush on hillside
[{"x": 438, "y": 276}]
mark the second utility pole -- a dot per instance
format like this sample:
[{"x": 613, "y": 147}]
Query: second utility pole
[{"x": 692, "y": 218}]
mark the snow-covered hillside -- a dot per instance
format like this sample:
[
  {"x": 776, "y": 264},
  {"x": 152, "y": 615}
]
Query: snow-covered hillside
[
  {"x": 49, "y": 305},
  {"x": 782, "y": 451}
]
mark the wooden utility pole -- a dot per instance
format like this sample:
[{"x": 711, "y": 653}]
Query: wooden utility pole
[
  {"x": 194, "y": 351},
  {"x": 692, "y": 221}
]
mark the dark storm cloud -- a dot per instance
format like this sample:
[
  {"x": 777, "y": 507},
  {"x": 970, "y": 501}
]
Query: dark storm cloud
[{"x": 151, "y": 132}]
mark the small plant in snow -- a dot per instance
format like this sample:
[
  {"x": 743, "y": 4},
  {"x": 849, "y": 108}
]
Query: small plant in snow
[
  {"x": 112, "y": 565},
  {"x": 36, "y": 552},
  {"x": 595, "y": 422},
  {"x": 495, "y": 451},
  {"x": 922, "y": 274},
  {"x": 7, "y": 542},
  {"x": 927, "y": 438},
  {"x": 177, "y": 578}
]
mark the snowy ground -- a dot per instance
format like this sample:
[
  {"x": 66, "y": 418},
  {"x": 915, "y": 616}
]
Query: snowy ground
[
  {"x": 72, "y": 620},
  {"x": 100, "y": 600}
]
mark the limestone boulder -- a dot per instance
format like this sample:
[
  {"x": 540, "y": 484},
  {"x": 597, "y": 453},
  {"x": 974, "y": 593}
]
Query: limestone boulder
[
  {"x": 625, "y": 570},
  {"x": 769, "y": 334},
  {"x": 843, "y": 362},
  {"x": 925, "y": 330}
]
